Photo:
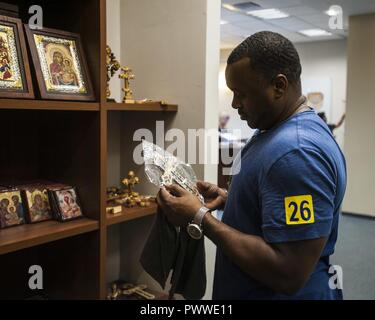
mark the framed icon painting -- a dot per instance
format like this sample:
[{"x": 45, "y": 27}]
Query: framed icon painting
[
  {"x": 11, "y": 209},
  {"x": 36, "y": 203},
  {"x": 15, "y": 77},
  {"x": 66, "y": 204},
  {"x": 60, "y": 65}
]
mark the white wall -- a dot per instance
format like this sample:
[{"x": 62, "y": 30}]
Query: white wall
[
  {"x": 225, "y": 101},
  {"x": 328, "y": 59},
  {"x": 211, "y": 115},
  {"x": 173, "y": 48},
  {"x": 359, "y": 137},
  {"x": 318, "y": 59},
  {"x": 114, "y": 41},
  {"x": 114, "y": 142}
]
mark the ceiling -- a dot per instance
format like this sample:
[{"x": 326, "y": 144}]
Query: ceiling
[{"x": 303, "y": 14}]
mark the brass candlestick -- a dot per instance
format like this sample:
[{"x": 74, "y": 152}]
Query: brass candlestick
[{"x": 127, "y": 75}]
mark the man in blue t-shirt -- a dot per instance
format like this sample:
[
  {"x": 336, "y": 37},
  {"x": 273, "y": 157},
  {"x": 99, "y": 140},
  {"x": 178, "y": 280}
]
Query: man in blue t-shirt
[{"x": 281, "y": 213}]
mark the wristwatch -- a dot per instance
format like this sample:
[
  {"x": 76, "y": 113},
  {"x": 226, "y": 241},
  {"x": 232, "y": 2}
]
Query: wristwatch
[{"x": 194, "y": 228}]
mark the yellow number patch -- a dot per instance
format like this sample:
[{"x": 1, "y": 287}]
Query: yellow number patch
[{"x": 299, "y": 209}]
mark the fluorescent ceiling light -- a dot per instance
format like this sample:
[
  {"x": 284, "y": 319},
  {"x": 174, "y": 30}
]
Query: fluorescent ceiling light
[
  {"x": 230, "y": 7},
  {"x": 268, "y": 14},
  {"x": 222, "y": 22},
  {"x": 315, "y": 32}
]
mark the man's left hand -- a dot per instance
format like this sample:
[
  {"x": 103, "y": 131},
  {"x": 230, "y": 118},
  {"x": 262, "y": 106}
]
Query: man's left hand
[{"x": 179, "y": 205}]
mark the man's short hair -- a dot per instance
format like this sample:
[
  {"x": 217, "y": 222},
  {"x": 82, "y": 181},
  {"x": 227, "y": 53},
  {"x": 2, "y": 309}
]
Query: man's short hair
[{"x": 270, "y": 53}]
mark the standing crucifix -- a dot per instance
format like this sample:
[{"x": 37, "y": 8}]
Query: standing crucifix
[
  {"x": 129, "y": 183},
  {"x": 127, "y": 74}
]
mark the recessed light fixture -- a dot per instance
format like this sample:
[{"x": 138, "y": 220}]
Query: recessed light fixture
[
  {"x": 230, "y": 7},
  {"x": 268, "y": 14},
  {"x": 222, "y": 22},
  {"x": 315, "y": 33}
]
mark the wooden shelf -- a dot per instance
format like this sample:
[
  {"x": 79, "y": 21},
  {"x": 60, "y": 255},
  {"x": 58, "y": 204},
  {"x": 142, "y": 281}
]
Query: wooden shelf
[
  {"x": 152, "y": 106},
  {"x": 50, "y": 140},
  {"x": 129, "y": 214},
  {"x": 48, "y": 105},
  {"x": 68, "y": 147},
  {"x": 29, "y": 235}
]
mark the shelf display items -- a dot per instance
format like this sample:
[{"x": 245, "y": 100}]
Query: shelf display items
[
  {"x": 15, "y": 76},
  {"x": 66, "y": 204},
  {"x": 60, "y": 65},
  {"x": 11, "y": 209},
  {"x": 35, "y": 198}
]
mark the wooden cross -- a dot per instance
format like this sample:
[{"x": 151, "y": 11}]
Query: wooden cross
[{"x": 129, "y": 289}]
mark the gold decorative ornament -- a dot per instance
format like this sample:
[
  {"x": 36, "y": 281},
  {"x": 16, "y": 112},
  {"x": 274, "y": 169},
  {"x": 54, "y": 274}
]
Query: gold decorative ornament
[
  {"x": 139, "y": 290},
  {"x": 126, "y": 196},
  {"x": 114, "y": 293},
  {"x": 130, "y": 182},
  {"x": 127, "y": 75},
  {"x": 119, "y": 290},
  {"x": 115, "y": 210},
  {"x": 112, "y": 67}
]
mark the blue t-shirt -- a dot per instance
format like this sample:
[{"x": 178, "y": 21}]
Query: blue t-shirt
[{"x": 290, "y": 187}]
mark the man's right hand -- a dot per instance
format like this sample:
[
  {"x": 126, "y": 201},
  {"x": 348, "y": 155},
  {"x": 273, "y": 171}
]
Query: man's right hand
[{"x": 214, "y": 197}]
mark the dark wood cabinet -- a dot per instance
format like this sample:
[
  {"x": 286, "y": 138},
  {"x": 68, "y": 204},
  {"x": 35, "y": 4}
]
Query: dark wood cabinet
[{"x": 63, "y": 141}]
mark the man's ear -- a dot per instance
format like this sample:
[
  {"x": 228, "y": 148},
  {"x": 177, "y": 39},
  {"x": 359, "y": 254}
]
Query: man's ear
[{"x": 280, "y": 84}]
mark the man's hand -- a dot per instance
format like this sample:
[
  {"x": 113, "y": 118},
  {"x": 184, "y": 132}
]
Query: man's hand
[
  {"x": 179, "y": 205},
  {"x": 283, "y": 267},
  {"x": 214, "y": 197}
]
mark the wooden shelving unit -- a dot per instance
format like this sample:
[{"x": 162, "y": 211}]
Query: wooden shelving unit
[
  {"x": 129, "y": 214},
  {"x": 24, "y": 104},
  {"x": 64, "y": 141},
  {"x": 27, "y": 236},
  {"x": 151, "y": 107}
]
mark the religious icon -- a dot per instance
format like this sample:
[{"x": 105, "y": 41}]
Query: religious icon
[
  {"x": 60, "y": 65},
  {"x": 11, "y": 209},
  {"x": 66, "y": 204},
  {"x": 37, "y": 204},
  {"x": 5, "y": 69},
  {"x": 15, "y": 78}
]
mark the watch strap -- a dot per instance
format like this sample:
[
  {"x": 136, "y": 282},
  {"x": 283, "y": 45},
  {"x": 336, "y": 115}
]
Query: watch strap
[{"x": 200, "y": 215}]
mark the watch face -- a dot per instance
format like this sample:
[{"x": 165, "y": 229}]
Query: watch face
[{"x": 194, "y": 231}]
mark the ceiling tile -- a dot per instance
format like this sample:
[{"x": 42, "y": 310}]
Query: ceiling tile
[
  {"x": 305, "y": 14},
  {"x": 232, "y": 16},
  {"x": 319, "y": 5},
  {"x": 277, "y": 3},
  {"x": 316, "y": 18},
  {"x": 251, "y": 23},
  {"x": 237, "y": 1},
  {"x": 301, "y": 11},
  {"x": 233, "y": 30},
  {"x": 295, "y": 37},
  {"x": 291, "y": 24}
]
